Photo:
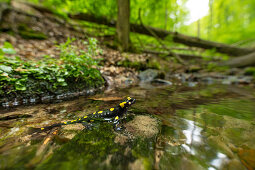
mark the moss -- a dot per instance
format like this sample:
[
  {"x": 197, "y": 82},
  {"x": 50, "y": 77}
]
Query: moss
[
  {"x": 214, "y": 67},
  {"x": 250, "y": 71},
  {"x": 27, "y": 33},
  {"x": 32, "y": 35},
  {"x": 136, "y": 65},
  {"x": 139, "y": 65},
  {"x": 154, "y": 65},
  {"x": 90, "y": 149}
]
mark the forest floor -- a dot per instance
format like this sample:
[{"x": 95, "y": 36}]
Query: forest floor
[{"x": 116, "y": 67}]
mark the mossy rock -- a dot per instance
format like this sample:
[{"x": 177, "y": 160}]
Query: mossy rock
[
  {"x": 138, "y": 65},
  {"x": 150, "y": 75},
  {"x": 27, "y": 33},
  {"x": 250, "y": 71},
  {"x": 32, "y": 35}
]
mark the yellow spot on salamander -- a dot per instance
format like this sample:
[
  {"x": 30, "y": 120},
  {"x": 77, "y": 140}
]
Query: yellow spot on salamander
[
  {"x": 111, "y": 109},
  {"x": 65, "y": 122},
  {"x": 129, "y": 102},
  {"x": 80, "y": 119},
  {"x": 85, "y": 117},
  {"x": 129, "y": 98},
  {"x": 100, "y": 112},
  {"x": 94, "y": 113},
  {"x": 42, "y": 128},
  {"x": 122, "y": 104},
  {"x": 117, "y": 117},
  {"x": 92, "y": 120}
]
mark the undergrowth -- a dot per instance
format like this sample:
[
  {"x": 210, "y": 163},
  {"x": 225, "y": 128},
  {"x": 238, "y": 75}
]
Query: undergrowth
[{"x": 75, "y": 70}]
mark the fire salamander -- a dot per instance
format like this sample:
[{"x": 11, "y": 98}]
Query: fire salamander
[{"x": 111, "y": 115}]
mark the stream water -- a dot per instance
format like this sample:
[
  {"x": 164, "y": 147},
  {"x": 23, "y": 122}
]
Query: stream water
[{"x": 169, "y": 127}]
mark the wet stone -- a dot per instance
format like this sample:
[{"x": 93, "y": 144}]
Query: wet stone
[
  {"x": 149, "y": 75},
  {"x": 143, "y": 126},
  {"x": 162, "y": 82}
]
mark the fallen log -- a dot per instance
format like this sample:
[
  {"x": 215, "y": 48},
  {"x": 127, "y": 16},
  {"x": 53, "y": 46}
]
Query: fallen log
[
  {"x": 242, "y": 61},
  {"x": 175, "y": 36},
  {"x": 174, "y": 48},
  {"x": 183, "y": 56}
]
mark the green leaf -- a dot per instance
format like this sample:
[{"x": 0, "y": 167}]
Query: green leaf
[
  {"x": 5, "y": 68},
  {"x": 60, "y": 79},
  {"x": 1, "y": 52},
  {"x": 8, "y": 48},
  {"x": 21, "y": 88},
  {"x": 19, "y": 85}
]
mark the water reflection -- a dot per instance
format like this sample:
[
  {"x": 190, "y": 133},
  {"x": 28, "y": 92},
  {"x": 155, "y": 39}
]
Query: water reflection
[
  {"x": 195, "y": 143},
  {"x": 221, "y": 158},
  {"x": 192, "y": 133}
]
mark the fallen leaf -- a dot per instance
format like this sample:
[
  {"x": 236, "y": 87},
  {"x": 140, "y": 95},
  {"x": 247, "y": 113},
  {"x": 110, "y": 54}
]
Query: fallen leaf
[
  {"x": 114, "y": 98},
  {"x": 21, "y": 69},
  {"x": 247, "y": 157}
]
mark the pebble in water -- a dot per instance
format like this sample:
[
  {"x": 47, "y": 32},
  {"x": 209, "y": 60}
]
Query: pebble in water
[
  {"x": 32, "y": 100},
  {"x": 47, "y": 98},
  {"x": 24, "y": 101},
  {"x": 6, "y": 105},
  {"x": 15, "y": 102}
]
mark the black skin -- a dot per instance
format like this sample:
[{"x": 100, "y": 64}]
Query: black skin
[{"x": 111, "y": 115}]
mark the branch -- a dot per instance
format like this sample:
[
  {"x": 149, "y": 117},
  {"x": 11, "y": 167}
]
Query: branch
[
  {"x": 161, "y": 43},
  {"x": 242, "y": 61}
]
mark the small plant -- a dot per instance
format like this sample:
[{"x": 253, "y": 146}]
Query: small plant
[
  {"x": 76, "y": 69},
  {"x": 7, "y": 49}
]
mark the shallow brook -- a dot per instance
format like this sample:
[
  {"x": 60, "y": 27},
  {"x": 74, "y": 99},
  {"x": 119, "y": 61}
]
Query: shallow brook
[{"x": 169, "y": 127}]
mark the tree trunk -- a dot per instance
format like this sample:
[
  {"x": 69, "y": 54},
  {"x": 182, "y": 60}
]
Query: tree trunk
[
  {"x": 243, "y": 61},
  {"x": 123, "y": 25},
  {"x": 210, "y": 23},
  {"x": 198, "y": 28}
]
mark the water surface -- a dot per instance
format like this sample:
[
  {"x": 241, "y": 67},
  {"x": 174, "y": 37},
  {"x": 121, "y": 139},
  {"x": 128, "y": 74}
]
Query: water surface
[{"x": 200, "y": 127}]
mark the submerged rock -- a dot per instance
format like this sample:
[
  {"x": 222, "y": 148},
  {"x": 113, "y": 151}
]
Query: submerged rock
[
  {"x": 150, "y": 74},
  {"x": 143, "y": 126}
]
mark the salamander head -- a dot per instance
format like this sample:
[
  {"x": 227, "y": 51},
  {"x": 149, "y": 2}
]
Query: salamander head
[
  {"x": 127, "y": 103},
  {"x": 130, "y": 101}
]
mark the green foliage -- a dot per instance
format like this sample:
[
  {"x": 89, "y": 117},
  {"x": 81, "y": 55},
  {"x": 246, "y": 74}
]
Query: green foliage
[
  {"x": 166, "y": 14},
  {"x": 76, "y": 70},
  {"x": 230, "y": 21}
]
